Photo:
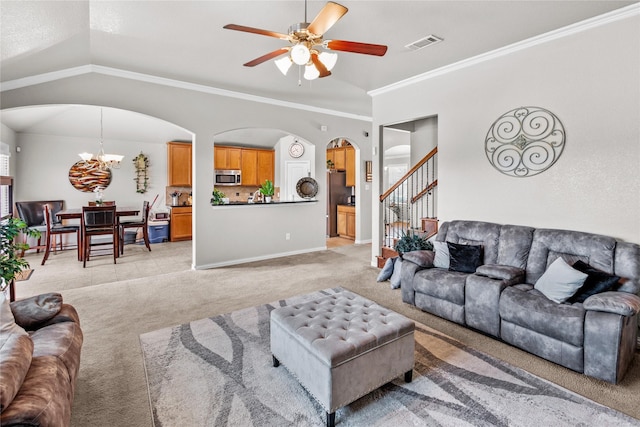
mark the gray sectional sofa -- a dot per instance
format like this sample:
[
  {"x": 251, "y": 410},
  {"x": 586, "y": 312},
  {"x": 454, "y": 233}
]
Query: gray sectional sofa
[{"x": 596, "y": 337}]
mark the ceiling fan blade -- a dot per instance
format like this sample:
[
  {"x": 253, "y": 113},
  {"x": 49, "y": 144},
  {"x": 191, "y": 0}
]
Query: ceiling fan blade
[
  {"x": 267, "y": 57},
  {"x": 256, "y": 31},
  {"x": 320, "y": 66},
  {"x": 329, "y": 15},
  {"x": 356, "y": 47}
]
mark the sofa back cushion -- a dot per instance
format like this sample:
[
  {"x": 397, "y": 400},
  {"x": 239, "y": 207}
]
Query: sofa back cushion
[
  {"x": 515, "y": 243},
  {"x": 485, "y": 234},
  {"x": 627, "y": 266},
  {"x": 548, "y": 245}
]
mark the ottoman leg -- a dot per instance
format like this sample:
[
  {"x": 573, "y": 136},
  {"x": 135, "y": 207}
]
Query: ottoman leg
[
  {"x": 276, "y": 362},
  {"x": 408, "y": 376},
  {"x": 331, "y": 419}
]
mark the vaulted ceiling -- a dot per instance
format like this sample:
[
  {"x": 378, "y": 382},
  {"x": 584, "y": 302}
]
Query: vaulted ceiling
[{"x": 185, "y": 40}]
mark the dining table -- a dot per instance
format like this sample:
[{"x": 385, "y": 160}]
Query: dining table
[{"x": 76, "y": 213}]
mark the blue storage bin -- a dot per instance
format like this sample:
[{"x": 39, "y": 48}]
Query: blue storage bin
[{"x": 158, "y": 231}]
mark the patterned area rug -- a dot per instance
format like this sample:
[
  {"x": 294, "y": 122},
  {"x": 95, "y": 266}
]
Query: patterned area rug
[{"x": 218, "y": 372}]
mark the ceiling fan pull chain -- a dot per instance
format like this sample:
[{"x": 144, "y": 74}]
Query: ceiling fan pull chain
[{"x": 299, "y": 75}]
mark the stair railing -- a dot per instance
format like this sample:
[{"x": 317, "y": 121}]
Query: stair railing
[{"x": 410, "y": 200}]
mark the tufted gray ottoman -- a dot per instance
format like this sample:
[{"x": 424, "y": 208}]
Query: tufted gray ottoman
[{"x": 341, "y": 347}]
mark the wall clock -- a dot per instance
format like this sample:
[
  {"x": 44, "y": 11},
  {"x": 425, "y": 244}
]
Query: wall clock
[
  {"x": 296, "y": 149},
  {"x": 525, "y": 141}
]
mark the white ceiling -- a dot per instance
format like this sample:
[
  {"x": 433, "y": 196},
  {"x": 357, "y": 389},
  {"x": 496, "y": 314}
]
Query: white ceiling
[{"x": 184, "y": 40}]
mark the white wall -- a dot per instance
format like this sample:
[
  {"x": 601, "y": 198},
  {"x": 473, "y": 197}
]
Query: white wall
[
  {"x": 222, "y": 235},
  {"x": 44, "y": 161},
  {"x": 590, "y": 81}
]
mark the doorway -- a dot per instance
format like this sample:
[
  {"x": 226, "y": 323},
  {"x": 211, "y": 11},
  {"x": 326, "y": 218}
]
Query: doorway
[{"x": 341, "y": 182}]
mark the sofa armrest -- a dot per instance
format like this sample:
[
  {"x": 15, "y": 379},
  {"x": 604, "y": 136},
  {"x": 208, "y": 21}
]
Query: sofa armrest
[
  {"x": 423, "y": 259},
  {"x": 31, "y": 312},
  {"x": 407, "y": 273},
  {"x": 622, "y": 303},
  {"x": 501, "y": 272}
]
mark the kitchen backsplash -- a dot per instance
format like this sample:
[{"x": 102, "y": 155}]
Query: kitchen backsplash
[
  {"x": 183, "y": 198},
  {"x": 242, "y": 193}
]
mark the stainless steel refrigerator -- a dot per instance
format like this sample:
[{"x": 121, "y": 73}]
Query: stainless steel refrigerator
[{"x": 337, "y": 194}]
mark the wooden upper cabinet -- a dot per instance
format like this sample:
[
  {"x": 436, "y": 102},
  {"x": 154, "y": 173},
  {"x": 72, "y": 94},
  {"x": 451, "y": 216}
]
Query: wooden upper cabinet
[
  {"x": 249, "y": 167},
  {"x": 350, "y": 166},
  {"x": 266, "y": 165},
  {"x": 179, "y": 164},
  {"x": 339, "y": 158},
  {"x": 227, "y": 158}
]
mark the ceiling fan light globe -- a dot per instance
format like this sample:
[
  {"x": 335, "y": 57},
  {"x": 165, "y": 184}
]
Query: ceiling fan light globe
[
  {"x": 328, "y": 59},
  {"x": 311, "y": 72},
  {"x": 283, "y": 64},
  {"x": 300, "y": 54}
]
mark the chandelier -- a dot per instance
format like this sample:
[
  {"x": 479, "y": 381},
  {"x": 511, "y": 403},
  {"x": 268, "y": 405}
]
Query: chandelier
[{"x": 105, "y": 161}]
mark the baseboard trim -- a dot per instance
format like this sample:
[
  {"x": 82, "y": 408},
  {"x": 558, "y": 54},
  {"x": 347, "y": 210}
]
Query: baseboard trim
[{"x": 258, "y": 258}]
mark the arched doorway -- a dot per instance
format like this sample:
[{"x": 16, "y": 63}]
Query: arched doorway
[{"x": 341, "y": 199}]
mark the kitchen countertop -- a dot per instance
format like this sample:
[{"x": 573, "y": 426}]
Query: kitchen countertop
[{"x": 284, "y": 202}]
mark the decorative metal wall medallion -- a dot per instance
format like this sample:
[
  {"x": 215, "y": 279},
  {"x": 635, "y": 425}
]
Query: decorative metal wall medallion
[
  {"x": 86, "y": 176},
  {"x": 525, "y": 141}
]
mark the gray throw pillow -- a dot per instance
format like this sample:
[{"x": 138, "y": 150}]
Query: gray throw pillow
[
  {"x": 396, "y": 276},
  {"x": 387, "y": 270},
  {"x": 560, "y": 281},
  {"x": 441, "y": 259}
]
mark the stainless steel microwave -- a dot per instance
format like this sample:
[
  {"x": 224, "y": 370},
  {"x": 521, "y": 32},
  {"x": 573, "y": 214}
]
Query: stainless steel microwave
[{"x": 227, "y": 177}]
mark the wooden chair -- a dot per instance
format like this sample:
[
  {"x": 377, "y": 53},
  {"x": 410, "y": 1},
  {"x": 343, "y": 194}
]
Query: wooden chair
[
  {"x": 137, "y": 223},
  {"x": 54, "y": 230},
  {"x": 98, "y": 221}
]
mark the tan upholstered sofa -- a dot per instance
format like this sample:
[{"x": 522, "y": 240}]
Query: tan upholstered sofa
[{"x": 39, "y": 361}]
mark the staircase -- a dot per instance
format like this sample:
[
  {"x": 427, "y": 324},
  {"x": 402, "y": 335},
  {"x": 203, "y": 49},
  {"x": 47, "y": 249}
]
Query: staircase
[{"x": 410, "y": 205}]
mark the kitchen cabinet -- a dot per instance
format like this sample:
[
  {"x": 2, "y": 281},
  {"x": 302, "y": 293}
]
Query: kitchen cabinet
[
  {"x": 344, "y": 159},
  {"x": 228, "y": 158},
  {"x": 180, "y": 223},
  {"x": 350, "y": 166},
  {"x": 347, "y": 221},
  {"x": 257, "y": 166},
  {"x": 179, "y": 164}
]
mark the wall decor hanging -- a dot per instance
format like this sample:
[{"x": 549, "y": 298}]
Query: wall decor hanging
[
  {"x": 525, "y": 141},
  {"x": 141, "y": 162},
  {"x": 86, "y": 175}
]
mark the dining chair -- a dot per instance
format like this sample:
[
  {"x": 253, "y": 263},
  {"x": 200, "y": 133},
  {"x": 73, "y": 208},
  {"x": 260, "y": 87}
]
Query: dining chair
[
  {"x": 98, "y": 221},
  {"x": 137, "y": 223},
  {"x": 55, "y": 229}
]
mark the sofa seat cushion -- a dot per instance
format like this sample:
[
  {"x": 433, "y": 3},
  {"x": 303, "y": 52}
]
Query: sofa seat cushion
[
  {"x": 44, "y": 398},
  {"x": 442, "y": 284},
  {"x": 61, "y": 340},
  {"x": 16, "y": 351},
  {"x": 530, "y": 309}
]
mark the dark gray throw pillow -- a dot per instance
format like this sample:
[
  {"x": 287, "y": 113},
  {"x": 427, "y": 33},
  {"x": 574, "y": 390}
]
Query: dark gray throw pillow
[
  {"x": 597, "y": 281},
  {"x": 30, "y": 312},
  {"x": 464, "y": 258}
]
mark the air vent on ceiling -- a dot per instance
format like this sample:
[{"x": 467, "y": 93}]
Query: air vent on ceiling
[{"x": 424, "y": 42}]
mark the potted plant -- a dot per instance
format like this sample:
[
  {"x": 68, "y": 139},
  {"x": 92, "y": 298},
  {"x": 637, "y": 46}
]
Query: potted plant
[
  {"x": 267, "y": 191},
  {"x": 218, "y": 197},
  {"x": 412, "y": 241},
  {"x": 10, "y": 261}
]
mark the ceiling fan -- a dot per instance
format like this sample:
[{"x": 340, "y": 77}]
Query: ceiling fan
[{"x": 307, "y": 43}]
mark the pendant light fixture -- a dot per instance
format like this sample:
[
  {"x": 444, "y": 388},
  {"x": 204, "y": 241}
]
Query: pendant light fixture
[{"x": 105, "y": 161}]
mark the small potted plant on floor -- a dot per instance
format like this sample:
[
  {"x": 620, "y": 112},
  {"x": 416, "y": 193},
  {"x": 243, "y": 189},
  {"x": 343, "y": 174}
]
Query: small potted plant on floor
[
  {"x": 412, "y": 241},
  {"x": 267, "y": 191},
  {"x": 10, "y": 261}
]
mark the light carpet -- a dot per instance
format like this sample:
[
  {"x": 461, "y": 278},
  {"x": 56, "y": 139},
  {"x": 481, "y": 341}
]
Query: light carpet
[{"x": 218, "y": 371}]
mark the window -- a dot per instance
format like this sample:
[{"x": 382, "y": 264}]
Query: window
[{"x": 6, "y": 182}]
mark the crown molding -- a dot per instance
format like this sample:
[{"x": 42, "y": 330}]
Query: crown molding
[
  {"x": 587, "y": 24},
  {"x": 162, "y": 81}
]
